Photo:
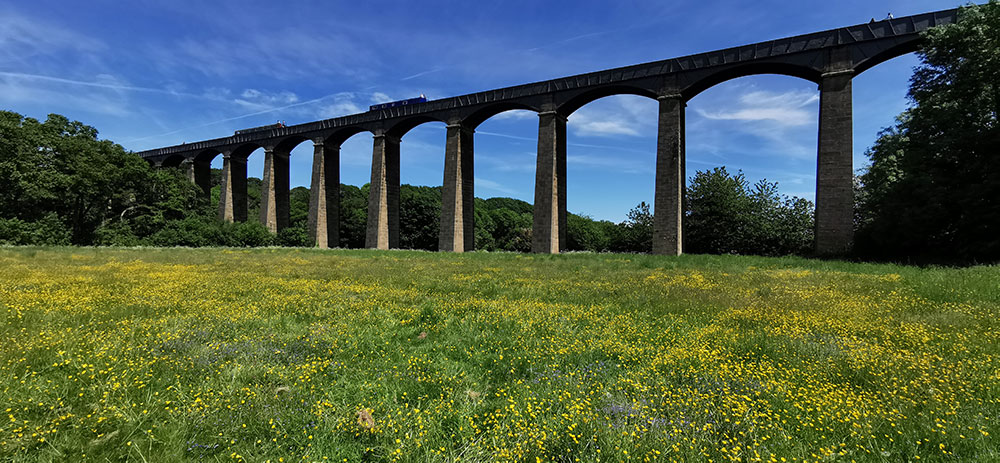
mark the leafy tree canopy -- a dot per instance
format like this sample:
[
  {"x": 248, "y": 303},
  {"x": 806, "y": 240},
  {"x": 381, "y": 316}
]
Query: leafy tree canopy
[{"x": 930, "y": 193}]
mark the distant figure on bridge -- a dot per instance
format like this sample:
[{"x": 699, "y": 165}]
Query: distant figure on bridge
[{"x": 889, "y": 16}]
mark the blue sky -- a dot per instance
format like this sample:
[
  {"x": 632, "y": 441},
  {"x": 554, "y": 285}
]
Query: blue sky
[{"x": 148, "y": 74}]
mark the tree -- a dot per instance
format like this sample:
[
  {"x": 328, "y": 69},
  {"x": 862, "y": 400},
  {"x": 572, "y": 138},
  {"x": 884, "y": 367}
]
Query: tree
[
  {"x": 62, "y": 185},
  {"x": 353, "y": 215},
  {"x": 635, "y": 234},
  {"x": 419, "y": 217},
  {"x": 718, "y": 209},
  {"x": 726, "y": 215},
  {"x": 931, "y": 190}
]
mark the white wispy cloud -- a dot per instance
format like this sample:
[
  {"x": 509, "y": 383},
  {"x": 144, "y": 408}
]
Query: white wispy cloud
[
  {"x": 23, "y": 38},
  {"x": 516, "y": 114},
  {"x": 379, "y": 97},
  {"x": 621, "y": 115},
  {"x": 421, "y": 74},
  {"x": 104, "y": 81},
  {"x": 482, "y": 183},
  {"x": 104, "y": 101},
  {"x": 287, "y": 53},
  {"x": 789, "y": 109}
]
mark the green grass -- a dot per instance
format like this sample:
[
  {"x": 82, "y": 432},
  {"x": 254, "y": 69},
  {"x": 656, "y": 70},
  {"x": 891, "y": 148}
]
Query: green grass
[{"x": 213, "y": 354}]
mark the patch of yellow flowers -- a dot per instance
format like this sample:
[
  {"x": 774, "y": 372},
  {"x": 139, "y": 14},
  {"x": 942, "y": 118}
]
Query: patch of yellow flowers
[{"x": 300, "y": 355}]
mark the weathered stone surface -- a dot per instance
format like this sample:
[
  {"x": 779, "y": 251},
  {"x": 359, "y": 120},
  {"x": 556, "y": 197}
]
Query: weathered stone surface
[
  {"x": 187, "y": 166},
  {"x": 274, "y": 195},
  {"x": 668, "y": 203},
  {"x": 203, "y": 176},
  {"x": 457, "y": 192},
  {"x": 548, "y": 233},
  {"x": 324, "y": 196},
  {"x": 233, "y": 194},
  {"x": 383, "y": 198},
  {"x": 835, "y": 166}
]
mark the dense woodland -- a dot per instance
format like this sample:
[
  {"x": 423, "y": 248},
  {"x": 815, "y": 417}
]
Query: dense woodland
[{"x": 930, "y": 193}]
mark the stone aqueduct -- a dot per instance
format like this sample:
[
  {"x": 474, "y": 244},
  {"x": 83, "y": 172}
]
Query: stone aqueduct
[{"x": 830, "y": 58}]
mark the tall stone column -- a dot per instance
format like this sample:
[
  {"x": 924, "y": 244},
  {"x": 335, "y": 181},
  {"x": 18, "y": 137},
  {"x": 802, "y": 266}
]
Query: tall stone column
[
  {"x": 274, "y": 196},
  {"x": 548, "y": 233},
  {"x": 383, "y": 197},
  {"x": 457, "y": 231},
  {"x": 187, "y": 166},
  {"x": 835, "y": 165},
  {"x": 668, "y": 199},
  {"x": 233, "y": 195},
  {"x": 324, "y": 196},
  {"x": 203, "y": 176}
]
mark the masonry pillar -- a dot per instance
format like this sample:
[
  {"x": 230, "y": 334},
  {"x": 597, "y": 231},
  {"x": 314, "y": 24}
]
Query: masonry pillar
[
  {"x": 324, "y": 196},
  {"x": 668, "y": 198},
  {"x": 835, "y": 165},
  {"x": 383, "y": 197},
  {"x": 548, "y": 233},
  {"x": 203, "y": 176},
  {"x": 457, "y": 231},
  {"x": 199, "y": 173},
  {"x": 274, "y": 196},
  {"x": 187, "y": 166},
  {"x": 233, "y": 194}
]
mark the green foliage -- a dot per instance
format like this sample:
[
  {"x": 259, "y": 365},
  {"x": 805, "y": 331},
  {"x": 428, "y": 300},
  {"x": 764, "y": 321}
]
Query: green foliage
[
  {"x": 48, "y": 231},
  {"x": 727, "y": 216},
  {"x": 59, "y": 178},
  {"x": 930, "y": 191},
  {"x": 353, "y": 215},
  {"x": 419, "y": 217},
  {"x": 587, "y": 234},
  {"x": 509, "y": 225},
  {"x": 635, "y": 234}
]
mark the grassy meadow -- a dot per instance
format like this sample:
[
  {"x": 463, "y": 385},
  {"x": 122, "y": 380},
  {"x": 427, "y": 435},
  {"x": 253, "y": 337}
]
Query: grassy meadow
[{"x": 306, "y": 355}]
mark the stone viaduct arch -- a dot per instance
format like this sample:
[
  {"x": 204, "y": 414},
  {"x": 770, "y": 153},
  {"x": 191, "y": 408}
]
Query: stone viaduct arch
[{"x": 829, "y": 58}]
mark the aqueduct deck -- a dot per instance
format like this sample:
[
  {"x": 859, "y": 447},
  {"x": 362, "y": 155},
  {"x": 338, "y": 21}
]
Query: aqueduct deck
[{"x": 830, "y": 58}]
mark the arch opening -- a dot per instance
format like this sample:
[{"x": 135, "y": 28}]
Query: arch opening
[
  {"x": 421, "y": 163},
  {"x": 174, "y": 160},
  {"x": 570, "y": 106},
  {"x": 888, "y": 54},
  {"x": 610, "y": 173},
  {"x": 748, "y": 70},
  {"x": 506, "y": 148},
  {"x": 477, "y": 117},
  {"x": 763, "y": 130},
  {"x": 355, "y": 174}
]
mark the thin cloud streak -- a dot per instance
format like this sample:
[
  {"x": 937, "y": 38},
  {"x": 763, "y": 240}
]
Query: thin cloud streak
[
  {"x": 242, "y": 116},
  {"x": 37, "y": 77}
]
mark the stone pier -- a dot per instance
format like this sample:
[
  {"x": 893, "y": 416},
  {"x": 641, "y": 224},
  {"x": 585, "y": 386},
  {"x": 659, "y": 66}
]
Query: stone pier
[
  {"x": 548, "y": 233},
  {"x": 274, "y": 194},
  {"x": 457, "y": 232},
  {"x": 324, "y": 196},
  {"x": 835, "y": 159},
  {"x": 233, "y": 194},
  {"x": 383, "y": 198},
  {"x": 668, "y": 198}
]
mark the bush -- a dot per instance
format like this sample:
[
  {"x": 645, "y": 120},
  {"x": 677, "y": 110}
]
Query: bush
[{"x": 47, "y": 231}]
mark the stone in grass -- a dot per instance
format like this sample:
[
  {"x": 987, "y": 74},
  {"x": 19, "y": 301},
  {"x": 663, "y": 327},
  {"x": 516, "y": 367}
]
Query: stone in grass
[{"x": 365, "y": 419}]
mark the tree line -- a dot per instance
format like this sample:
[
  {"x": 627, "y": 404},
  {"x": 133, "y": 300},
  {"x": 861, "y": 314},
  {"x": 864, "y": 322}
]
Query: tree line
[
  {"x": 68, "y": 187},
  {"x": 930, "y": 194}
]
